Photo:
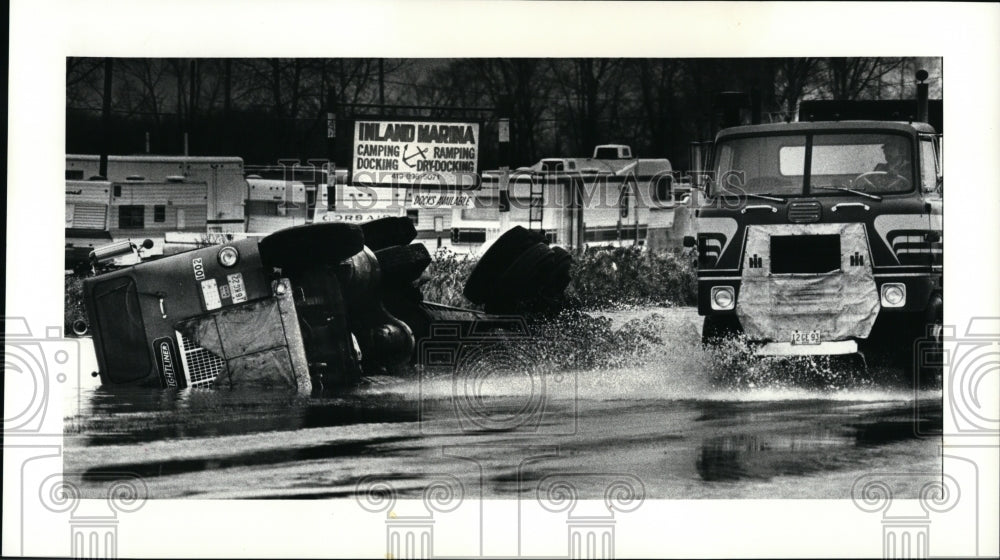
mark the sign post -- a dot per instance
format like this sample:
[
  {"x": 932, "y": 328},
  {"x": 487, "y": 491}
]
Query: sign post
[{"x": 503, "y": 129}]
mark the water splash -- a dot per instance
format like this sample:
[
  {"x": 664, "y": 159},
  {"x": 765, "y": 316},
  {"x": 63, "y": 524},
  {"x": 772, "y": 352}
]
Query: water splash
[{"x": 656, "y": 353}]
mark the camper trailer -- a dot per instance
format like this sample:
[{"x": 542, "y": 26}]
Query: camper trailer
[
  {"x": 608, "y": 199},
  {"x": 223, "y": 177},
  {"x": 98, "y": 212},
  {"x": 274, "y": 204}
]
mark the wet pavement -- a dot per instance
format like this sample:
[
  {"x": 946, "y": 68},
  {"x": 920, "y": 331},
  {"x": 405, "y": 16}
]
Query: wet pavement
[{"x": 665, "y": 421}]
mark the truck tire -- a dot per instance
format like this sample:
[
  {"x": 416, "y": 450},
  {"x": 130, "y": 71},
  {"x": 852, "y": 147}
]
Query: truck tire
[
  {"x": 401, "y": 265},
  {"x": 388, "y": 232},
  {"x": 524, "y": 278},
  {"x": 409, "y": 311},
  {"x": 718, "y": 328},
  {"x": 928, "y": 355},
  {"x": 559, "y": 279},
  {"x": 496, "y": 260},
  {"x": 312, "y": 244}
]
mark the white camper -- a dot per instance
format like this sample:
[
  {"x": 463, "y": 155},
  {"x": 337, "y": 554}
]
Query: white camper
[{"x": 223, "y": 176}]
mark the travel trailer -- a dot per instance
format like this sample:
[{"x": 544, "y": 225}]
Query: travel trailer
[
  {"x": 223, "y": 177},
  {"x": 608, "y": 199}
]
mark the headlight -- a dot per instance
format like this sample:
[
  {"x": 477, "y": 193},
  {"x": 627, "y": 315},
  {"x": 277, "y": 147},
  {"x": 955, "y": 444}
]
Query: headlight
[
  {"x": 229, "y": 256},
  {"x": 893, "y": 295},
  {"x": 723, "y": 298}
]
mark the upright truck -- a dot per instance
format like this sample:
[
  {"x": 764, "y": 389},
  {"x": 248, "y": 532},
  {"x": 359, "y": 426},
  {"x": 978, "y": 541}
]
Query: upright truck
[{"x": 824, "y": 238}]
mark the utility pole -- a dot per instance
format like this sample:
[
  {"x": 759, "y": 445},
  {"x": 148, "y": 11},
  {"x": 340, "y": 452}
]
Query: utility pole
[
  {"x": 227, "y": 106},
  {"x": 106, "y": 119},
  {"x": 381, "y": 86},
  {"x": 331, "y": 150},
  {"x": 503, "y": 127}
]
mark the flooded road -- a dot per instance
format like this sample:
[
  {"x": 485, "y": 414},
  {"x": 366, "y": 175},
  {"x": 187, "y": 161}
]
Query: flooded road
[{"x": 680, "y": 421}]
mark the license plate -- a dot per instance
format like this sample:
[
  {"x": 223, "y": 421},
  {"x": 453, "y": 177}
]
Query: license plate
[
  {"x": 811, "y": 337},
  {"x": 211, "y": 293},
  {"x": 235, "y": 282}
]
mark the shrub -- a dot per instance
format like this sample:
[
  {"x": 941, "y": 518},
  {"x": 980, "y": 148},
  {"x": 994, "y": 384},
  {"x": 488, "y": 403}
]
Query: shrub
[
  {"x": 601, "y": 278},
  {"x": 73, "y": 306},
  {"x": 612, "y": 277},
  {"x": 444, "y": 279}
]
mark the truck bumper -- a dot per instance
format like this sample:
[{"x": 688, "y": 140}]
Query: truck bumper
[{"x": 830, "y": 348}]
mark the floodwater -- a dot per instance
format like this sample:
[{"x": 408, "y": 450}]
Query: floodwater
[{"x": 676, "y": 420}]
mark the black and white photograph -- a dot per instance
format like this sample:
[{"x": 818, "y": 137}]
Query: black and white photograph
[{"x": 508, "y": 300}]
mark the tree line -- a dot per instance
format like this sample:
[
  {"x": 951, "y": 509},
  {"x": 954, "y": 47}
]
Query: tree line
[{"x": 265, "y": 109}]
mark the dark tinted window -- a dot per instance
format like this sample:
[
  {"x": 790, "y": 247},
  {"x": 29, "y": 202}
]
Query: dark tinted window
[
  {"x": 74, "y": 174},
  {"x": 552, "y": 166},
  {"x": 131, "y": 217},
  {"x": 261, "y": 208},
  {"x": 159, "y": 213}
]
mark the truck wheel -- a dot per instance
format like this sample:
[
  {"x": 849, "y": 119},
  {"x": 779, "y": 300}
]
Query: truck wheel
[
  {"x": 718, "y": 328},
  {"x": 403, "y": 264},
  {"x": 496, "y": 260},
  {"x": 388, "y": 232},
  {"x": 559, "y": 279},
  {"x": 312, "y": 244},
  {"x": 929, "y": 347},
  {"x": 524, "y": 278}
]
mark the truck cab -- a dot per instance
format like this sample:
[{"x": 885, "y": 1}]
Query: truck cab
[{"x": 816, "y": 238}]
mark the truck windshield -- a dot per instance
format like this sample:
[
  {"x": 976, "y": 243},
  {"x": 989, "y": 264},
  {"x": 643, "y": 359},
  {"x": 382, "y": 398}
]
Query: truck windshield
[{"x": 873, "y": 163}]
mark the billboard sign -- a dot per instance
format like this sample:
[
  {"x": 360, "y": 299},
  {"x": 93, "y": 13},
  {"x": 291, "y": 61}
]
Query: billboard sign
[{"x": 415, "y": 153}]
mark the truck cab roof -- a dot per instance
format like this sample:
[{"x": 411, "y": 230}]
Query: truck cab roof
[{"x": 811, "y": 126}]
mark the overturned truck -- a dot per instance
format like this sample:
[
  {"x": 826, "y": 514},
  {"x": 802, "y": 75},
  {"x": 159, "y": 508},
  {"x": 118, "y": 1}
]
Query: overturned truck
[{"x": 313, "y": 308}]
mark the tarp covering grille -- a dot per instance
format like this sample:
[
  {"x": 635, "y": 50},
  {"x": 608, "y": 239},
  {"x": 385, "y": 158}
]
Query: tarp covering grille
[{"x": 839, "y": 304}]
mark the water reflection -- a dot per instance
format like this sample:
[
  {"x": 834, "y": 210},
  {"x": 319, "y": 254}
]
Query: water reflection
[
  {"x": 329, "y": 450},
  {"x": 808, "y": 448},
  {"x": 749, "y": 456},
  {"x": 122, "y": 416}
]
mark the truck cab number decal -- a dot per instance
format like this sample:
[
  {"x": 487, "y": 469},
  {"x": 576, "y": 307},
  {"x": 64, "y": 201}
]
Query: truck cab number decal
[{"x": 199, "y": 268}]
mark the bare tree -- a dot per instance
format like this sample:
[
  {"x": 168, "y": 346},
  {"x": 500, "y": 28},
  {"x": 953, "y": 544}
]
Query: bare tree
[
  {"x": 794, "y": 76},
  {"x": 588, "y": 86},
  {"x": 857, "y": 78}
]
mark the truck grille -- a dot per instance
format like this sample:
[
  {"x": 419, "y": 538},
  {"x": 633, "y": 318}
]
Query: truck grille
[
  {"x": 804, "y": 211},
  {"x": 201, "y": 368}
]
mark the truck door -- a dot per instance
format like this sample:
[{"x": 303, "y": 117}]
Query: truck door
[{"x": 931, "y": 187}]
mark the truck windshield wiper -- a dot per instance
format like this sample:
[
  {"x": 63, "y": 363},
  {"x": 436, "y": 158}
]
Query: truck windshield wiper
[
  {"x": 766, "y": 196},
  {"x": 852, "y": 191}
]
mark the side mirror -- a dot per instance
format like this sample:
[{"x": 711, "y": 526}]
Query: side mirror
[{"x": 689, "y": 241}]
